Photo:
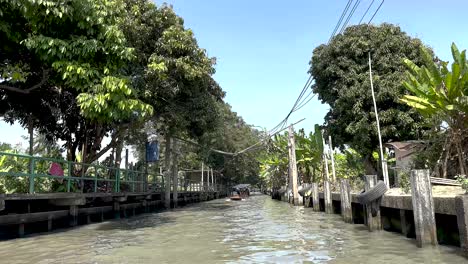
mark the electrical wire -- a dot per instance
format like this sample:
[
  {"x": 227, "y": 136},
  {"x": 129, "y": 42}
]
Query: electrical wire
[
  {"x": 300, "y": 102},
  {"x": 340, "y": 20},
  {"x": 349, "y": 16},
  {"x": 365, "y": 13},
  {"x": 376, "y": 11}
]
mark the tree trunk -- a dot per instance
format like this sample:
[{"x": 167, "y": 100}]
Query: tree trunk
[
  {"x": 31, "y": 136},
  {"x": 369, "y": 166},
  {"x": 175, "y": 173},
  {"x": 446, "y": 158},
  {"x": 118, "y": 153},
  {"x": 461, "y": 156}
]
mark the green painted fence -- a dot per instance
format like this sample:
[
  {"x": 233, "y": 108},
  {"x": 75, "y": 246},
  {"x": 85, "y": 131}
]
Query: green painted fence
[{"x": 78, "y": 177}]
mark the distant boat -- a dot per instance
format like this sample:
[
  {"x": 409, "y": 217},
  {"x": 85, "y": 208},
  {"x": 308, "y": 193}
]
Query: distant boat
[
  {"x": 240, "y": 191},
  {"x": 236, "y": 198}
]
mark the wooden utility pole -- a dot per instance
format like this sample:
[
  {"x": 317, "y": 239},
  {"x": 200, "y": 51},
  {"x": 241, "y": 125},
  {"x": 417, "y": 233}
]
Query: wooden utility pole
[
  {"x": 175, "y": 174},
  {"x": 332, "y": 158},
  {"x": 167, "y": 172},
  {"x": 293, "y": 165}
]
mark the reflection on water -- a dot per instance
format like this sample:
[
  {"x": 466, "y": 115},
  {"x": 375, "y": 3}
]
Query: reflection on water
[{"x": 257, "y": 230}]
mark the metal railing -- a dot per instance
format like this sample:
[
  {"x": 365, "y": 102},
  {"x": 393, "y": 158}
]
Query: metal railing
[
  {"x": 77, "y": 176},
  {"x": 29, "y": 172}
]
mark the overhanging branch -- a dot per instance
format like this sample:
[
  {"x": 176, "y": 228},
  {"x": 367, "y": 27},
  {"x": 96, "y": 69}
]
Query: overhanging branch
[{"x": 45, "y": 77}]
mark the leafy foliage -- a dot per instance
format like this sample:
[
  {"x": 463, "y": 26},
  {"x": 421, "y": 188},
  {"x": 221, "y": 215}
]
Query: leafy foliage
[
  {"x": 76, "y": 45},
  {"x": 341, "y": 74},
  {"x": 438, "y": 91}
]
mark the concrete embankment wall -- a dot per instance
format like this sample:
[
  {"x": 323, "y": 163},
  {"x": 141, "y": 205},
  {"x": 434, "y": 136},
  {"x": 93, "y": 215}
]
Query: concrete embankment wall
[
  {"x": 431, "y": 220},
  {"x": 22, "y": 214}
]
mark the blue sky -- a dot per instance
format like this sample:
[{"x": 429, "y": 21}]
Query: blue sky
[{"x": 263, "y": 46}]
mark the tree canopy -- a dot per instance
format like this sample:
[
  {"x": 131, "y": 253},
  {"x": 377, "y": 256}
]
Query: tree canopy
[{"x": 341, "y": 74}]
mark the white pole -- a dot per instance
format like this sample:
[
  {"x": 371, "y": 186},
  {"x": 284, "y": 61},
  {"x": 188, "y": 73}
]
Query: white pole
[
  {"x": 327, "y": 178},
  {"x": 332, "y": 158},
  {"x": 212, "y": 178},
  {"x": 382, "y": 159},
  {"x": 202, "y": 167}
]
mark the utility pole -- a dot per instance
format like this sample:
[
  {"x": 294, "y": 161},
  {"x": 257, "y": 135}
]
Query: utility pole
[
  {"x": 326, "y": 184},
  {"x": 382, "y": 159},
  {"x": 293, "y": 165},
  {"x": 167, "y": 172},
  {"x": 325, "y": 160},
  {"x": 332, "y": 157}
]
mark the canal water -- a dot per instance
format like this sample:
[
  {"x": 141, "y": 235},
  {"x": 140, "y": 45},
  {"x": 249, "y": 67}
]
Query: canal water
[{"x": 257, "y": 230}]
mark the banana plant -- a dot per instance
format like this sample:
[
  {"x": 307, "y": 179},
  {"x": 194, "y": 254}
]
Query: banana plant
[
  {"x": 437, "y": 90},
  {"x": 309, "y": 153},
  {"x": 274, "y": 163}
]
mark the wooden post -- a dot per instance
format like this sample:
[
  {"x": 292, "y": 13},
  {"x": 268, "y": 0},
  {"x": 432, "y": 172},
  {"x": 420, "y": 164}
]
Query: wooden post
[
  {"x": 73, "y": 215},
  {"x": 332, "y": 158},
  {"x": 346, "y": 211},
  {"x": 116, "y": 209},
  {"x": 423, "y": 208},
  {"x": 327, "y": 197},
  {"x": 175, "y": 174},
  {"x": 374, "y": 222},
  {"x": 167, "y": 173},
  {"x": 385, "y": 173},
  {"x": 293, "y": 165},
  {"x": 21, "y": 230},
  {"x": 49, "y": 223},
  {"x": 315, "y": 197},
  {"x": 404, "y": 223},
  {"x": 461, "y": 208},
  {"x": 326, "y": 185}
]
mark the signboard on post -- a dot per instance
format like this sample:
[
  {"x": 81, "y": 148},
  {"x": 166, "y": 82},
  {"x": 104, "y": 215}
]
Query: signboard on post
[{"x": 152, "y": 151}]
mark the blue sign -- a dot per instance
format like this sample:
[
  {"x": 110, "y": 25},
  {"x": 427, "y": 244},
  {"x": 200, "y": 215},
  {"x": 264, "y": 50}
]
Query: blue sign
[{"x": 152, "y": 151}]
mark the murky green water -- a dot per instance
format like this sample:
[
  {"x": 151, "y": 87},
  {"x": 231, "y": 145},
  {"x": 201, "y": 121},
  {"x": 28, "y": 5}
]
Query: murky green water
[{"x": 257, "y": 230}]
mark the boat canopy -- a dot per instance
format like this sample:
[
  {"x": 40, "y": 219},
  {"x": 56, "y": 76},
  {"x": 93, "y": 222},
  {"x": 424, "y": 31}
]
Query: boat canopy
[{"x": 241, "y": 186}]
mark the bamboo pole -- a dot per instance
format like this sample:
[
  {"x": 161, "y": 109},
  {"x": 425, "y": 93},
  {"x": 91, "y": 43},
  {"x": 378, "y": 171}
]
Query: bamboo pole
[{"x": 382, "y": 159}]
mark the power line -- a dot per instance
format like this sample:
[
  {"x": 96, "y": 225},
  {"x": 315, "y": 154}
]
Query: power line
[
  {"x": 350, "y": 15},
  {"x": 299, "y": 103},
  {"x": 377, "y": 10},
  {"x": 340, "y": 20},
  {"x": 365, "y": 13},
  {"x": 298, "y": 108}
]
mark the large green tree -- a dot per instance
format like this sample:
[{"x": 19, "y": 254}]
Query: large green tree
[
  {"x": 172, "y": 72},
  {"x": 341, "y": 74},
  {"x": 61, "y": 71}
]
